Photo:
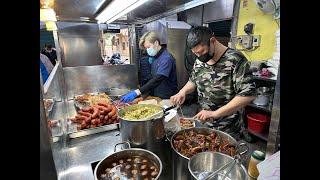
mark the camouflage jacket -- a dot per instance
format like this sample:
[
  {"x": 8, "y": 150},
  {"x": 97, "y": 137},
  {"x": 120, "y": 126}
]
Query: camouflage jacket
[{"x": 219, "y": 83}]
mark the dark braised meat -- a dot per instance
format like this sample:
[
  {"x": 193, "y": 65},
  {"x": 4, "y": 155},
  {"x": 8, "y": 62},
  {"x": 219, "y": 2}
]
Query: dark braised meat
[{"x": 190, "y": 143}]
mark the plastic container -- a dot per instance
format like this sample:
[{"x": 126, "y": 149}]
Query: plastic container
[
  {"x": 256, "y": 158},
  {"x": 258, "y": 123}
]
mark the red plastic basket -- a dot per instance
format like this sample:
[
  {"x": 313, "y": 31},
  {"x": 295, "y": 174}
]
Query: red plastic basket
[{"x": 258, "y": 123}]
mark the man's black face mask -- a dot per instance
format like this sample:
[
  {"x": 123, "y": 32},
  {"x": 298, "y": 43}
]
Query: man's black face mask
[{"x": 206, "y": 57}]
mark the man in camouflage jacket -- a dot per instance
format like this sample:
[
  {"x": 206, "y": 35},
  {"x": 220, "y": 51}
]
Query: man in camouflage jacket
[{"x": 222, "y": 79}]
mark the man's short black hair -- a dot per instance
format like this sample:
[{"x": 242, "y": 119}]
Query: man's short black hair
[
  {"x": 49, "y": 46},
  {"x": 199, "y": 35}
]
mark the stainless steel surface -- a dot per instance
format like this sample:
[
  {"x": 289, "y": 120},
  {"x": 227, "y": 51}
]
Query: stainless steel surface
[
  {"x": 84, "y": 79},
  {"x": 215, "y": 173},
  {"x": 136, "y": 131},
  {"x": 234, "y": 25},
  {"x": 79, "y": 44},
  {"x": 73, "y": 133},
  {"x": 100, "y": 168},
  {"x": 262, "y": 100},
  {"x": 74, "y": 9},
  {"x": 157, "y": 10},
  {"x": 74, "y": 160},
  {"x": 57, "y": 129},
  {"x": 71, "y": 128},
  {"x": 206, "y": 162},
  {"x": 218, "y": 10},
  {"x": 116, "y": 91},
  {"x": 194, "y": 16},
  {"x": 275, "y": 120},
  {"x": 47, "y": 166},
  {"x": 176, "y": 46},
  {"x": 263, "y": 90},
  {"x": 54, "y": 88},
  {"x": 148, "y": 135},
  {"x": 180, "y": 162}
]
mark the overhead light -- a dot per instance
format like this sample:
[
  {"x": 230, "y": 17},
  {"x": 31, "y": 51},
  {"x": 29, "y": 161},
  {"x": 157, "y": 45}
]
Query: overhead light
[
  {"x": 47, "y": 15},
  {"x": 84, "y": 18},
  {"x": 46, "y": 3},
  {"x": 118, "y": 8},
  {"x": 51, "y": 26}
]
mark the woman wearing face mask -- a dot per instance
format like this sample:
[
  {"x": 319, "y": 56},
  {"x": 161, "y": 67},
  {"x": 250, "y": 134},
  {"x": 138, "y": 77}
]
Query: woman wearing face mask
[
  {"x": 222, "y": 79},
  {"x": 163, "y": 83}
]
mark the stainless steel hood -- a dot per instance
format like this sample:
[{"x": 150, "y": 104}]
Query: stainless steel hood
[{"x": 77, "y": 10}]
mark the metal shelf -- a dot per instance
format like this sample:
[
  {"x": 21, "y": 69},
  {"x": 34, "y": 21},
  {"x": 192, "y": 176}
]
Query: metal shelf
[
  {"x": 263, "y": 136},
  {"x": 264, "y": 108},
  {"x": 272, "y": 79}
]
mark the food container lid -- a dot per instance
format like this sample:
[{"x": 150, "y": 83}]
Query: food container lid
[{"x": 258, "y": 155}]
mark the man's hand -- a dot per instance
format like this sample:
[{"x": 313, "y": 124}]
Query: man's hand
[
  {"x": 204, "y": 115},
  {"x": 178, "y": 98}
]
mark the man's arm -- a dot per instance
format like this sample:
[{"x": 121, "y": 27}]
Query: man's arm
[
  {"x": 188, "y": 88},
  {"x": 233, "y": 106}
]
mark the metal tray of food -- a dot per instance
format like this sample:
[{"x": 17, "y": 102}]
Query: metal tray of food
[
  {"x": 48, "y": 104},
  {"x": 79, "y": 105},
  {"x": 74, "y": 133}
]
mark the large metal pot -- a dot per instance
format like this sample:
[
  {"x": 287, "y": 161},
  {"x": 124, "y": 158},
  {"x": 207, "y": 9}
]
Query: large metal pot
[
  {"x": 142, "y": 133},
  {"x": 180, "y": 162},
  {"x": 208, "y": 162},
  {"x": 123, "y": 154}
]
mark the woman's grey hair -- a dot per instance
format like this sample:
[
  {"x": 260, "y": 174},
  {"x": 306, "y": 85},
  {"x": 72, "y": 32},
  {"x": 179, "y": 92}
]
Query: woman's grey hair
[{"x": 149, "y": 36}]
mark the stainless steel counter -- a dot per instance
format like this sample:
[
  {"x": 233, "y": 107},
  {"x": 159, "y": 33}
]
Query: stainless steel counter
[{"x": 74, "y": 160}]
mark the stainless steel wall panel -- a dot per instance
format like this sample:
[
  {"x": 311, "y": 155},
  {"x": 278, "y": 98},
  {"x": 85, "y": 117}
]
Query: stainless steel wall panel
[{"x": 83, "y": 79}]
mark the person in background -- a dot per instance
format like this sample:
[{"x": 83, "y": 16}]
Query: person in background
[
  {"x": 47, "y": 63},
  {"x": 223, "y": 81},
  {"x": 145, "y": 68},
  {"x": 163, "y": 70},
  {"x": 44, "y": 72},
  {"x": 50, "y": 53}
]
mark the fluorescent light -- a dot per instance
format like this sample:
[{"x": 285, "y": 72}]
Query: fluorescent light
[
  {"x": 118, "y": 8},
  {"x": 47, "y": 15}
]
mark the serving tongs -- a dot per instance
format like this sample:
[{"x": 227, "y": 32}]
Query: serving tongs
[
  {"x": 230, "y": 164},
  {"x": 164, "y": 111}
]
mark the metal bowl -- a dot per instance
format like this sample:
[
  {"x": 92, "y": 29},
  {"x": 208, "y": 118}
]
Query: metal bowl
[
  {"x": 202, "y": 164},
  {"x": 131, "y": 152},
  {"x": 263, "y": 90}
]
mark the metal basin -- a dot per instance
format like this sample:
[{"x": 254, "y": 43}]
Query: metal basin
[{"x": 204, "y": 163}]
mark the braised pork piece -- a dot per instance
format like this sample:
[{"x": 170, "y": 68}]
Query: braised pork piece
[{"x": 190, "y": 143}]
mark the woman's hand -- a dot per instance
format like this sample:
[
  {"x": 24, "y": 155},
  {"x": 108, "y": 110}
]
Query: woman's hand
[{"x": 204, "y": 115}]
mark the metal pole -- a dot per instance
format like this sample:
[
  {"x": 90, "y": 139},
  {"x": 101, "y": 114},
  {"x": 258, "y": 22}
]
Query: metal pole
[
  {"x": 275, "y": 119},
  {"x": 47, "y": 166}
]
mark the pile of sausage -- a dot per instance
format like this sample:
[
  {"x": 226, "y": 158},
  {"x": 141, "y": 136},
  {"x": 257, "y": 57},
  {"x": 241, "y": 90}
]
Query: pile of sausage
[{"x": 96, "y": 115}]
